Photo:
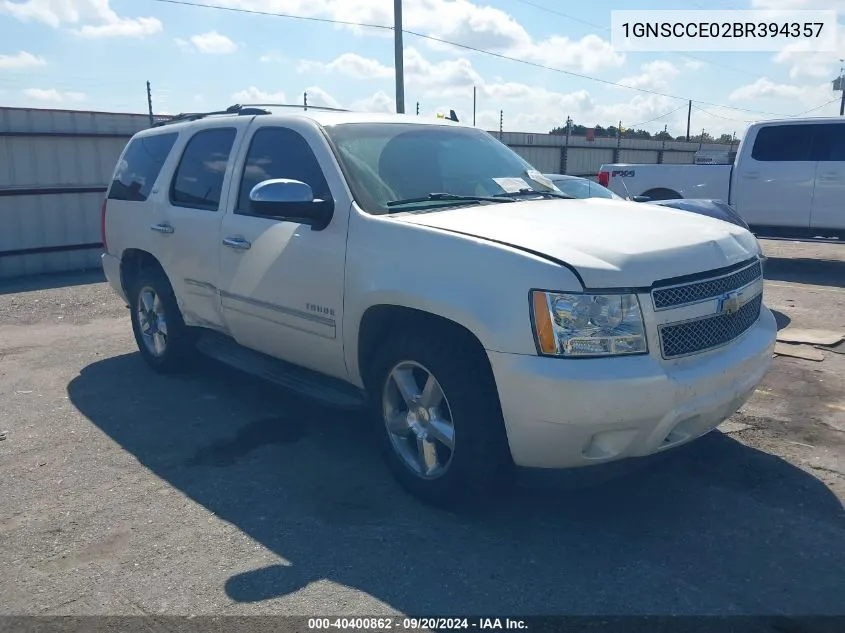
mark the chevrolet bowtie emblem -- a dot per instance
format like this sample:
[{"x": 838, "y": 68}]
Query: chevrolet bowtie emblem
[{"x": 730, "y": 303}]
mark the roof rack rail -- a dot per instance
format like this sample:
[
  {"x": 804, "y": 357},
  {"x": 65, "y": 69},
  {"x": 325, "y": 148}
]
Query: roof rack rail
[
  {"x": 295, "y": 105},
  {"x": 246, "y": 109}
]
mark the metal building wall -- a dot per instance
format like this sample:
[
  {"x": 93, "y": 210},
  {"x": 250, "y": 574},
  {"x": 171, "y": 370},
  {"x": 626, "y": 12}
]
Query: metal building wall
[{"x": 54, "y": 166}]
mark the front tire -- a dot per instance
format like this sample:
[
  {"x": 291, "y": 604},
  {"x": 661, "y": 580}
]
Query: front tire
[
  {"x": 438, "y": 418},
  {"x": 165, "y": 342}
]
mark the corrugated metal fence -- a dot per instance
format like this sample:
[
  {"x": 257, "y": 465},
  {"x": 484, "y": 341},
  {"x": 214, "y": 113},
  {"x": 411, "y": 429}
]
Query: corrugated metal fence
[{"x": 55, "y": 165}]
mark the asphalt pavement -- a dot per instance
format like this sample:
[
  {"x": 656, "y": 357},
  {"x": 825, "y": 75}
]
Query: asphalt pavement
[{"x": 125, "y": 492}]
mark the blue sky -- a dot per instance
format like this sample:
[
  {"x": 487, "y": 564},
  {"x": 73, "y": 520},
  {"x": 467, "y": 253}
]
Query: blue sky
[{"x": 98, "y": 54}]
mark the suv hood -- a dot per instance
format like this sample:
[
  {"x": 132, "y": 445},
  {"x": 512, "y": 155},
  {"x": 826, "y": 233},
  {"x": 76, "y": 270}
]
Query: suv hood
[{"x": 611, "y": 243}]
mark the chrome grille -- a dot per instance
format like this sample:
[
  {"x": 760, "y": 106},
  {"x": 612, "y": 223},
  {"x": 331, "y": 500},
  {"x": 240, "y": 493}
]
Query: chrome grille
[
  {"x": 695, "y": 292},
  {"x": 681, "y": 339}
]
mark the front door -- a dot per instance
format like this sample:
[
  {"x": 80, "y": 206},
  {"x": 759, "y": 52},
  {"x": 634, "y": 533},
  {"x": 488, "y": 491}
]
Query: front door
[
  {"x": 281, "y": 283},
  {"x": 775, "y": 180}
]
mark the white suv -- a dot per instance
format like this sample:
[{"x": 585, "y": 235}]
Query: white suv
[{"x": 423, "y": 269}]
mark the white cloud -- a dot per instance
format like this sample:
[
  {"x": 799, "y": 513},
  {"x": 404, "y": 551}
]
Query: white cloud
[
  {"x": 123, "y": 27},
  {"x": 349, "y": 64},
  {"x": 254, "y": 95},
  {"x": 766, "y": 88},
  {"x": 272, "y": 57},
  {"x": 213, "y": 43},
  {"x": 378, "y": 102},
  {"x": 319, "y": 97},
  {"x": 805, "y": 62},
  {"x": 442, "y": 78},
  {"x": 656, "y": 75},
  {"x": 54, "y": 96},
  {"x": 97, "y": 17},
  {"x": 20, "y": 61},
  {"x": 460, "y": 21}
]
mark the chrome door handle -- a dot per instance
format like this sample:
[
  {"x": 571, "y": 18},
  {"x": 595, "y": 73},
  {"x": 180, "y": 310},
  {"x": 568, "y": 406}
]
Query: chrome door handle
[
  {"x": 751, "y": 175},
  {"x": 830, "y": 175},
  {"x": 236, "y": 242},
  {"x": 162, "y": 228}
]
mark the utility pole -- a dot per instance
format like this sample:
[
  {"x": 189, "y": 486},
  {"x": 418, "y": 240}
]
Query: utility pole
[
  {"x": 305, "y": 100},
  {"x": 418, "y": 108},
  {"x": 501, "y": 122},
  {"x": 150, "y": 103},
  {"x": 842, "y": 88},
  {"x": 473, "y": 105},
  {"x": 689, "y": 116},
  {"x": 398, "y": 60}
]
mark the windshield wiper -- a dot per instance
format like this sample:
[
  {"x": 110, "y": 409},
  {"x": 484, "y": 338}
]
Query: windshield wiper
[
  {"x": 446, "y": 197},
  {"x": 533, "y": 192}
]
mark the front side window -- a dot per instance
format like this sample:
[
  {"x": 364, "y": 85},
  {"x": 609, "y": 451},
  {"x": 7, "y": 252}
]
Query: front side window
[
  {"x": 277, "y": 152},
  {"x": 389, "y": 162},
  {"x": 198, "y": 182},
  {"x": 140, "y": 166}
]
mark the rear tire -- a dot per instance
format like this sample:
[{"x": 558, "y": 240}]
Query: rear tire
[
  {"x": 165, "y": 342},
  {"x": 429, "y": 391}
]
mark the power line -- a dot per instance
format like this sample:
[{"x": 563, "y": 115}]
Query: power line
[
  {"x": 276, "y": 15},
  {"x": 719, "y": 116},
  {"x": 440, "y": 40},
  {"x": 657, "y": 118},
  {"x": 606, "y": 28}
]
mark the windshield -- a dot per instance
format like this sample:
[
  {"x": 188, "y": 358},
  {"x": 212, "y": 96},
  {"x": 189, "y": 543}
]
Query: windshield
[
  {"x": 583, "y": 188},
  {"x": 389, "y": 162}
]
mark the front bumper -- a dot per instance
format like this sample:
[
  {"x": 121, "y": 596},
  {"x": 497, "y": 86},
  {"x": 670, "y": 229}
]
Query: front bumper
[{"x": 563, "y": 413}]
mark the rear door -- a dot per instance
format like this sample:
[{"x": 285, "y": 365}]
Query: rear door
[
  {"x": 193, "y": 215},
  {"x": 829, "y": 199},
  {"x": 776, "y": 179}
]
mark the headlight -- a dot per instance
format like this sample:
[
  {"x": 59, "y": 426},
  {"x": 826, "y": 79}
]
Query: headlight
[{"x": 579, "y": 325}]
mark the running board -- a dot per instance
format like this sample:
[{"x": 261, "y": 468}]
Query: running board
[{"x": 305, "y": 382}]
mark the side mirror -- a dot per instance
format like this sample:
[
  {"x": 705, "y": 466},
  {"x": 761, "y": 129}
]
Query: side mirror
[
  {"x": 290, "y": 201},
  {"x": 640, "y": 198}
]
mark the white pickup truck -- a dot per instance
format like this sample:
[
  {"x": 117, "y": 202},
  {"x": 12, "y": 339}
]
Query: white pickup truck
[
  {"x": 788, "y": 178},
  {"x": 425, "y": 271}
]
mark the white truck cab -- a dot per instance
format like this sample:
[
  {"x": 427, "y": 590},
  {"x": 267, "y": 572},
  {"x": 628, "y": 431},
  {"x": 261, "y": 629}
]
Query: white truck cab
[
  {"x": 423, "y": 270},
  {"x": 788, "y": 178}
]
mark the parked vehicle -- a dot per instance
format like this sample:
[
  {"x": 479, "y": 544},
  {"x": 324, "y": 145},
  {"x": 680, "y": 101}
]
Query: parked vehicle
[
  {"x": 581, "y": 188},
  {"x": 788, "y": 178},
  {"x": 422, "y": 269}
]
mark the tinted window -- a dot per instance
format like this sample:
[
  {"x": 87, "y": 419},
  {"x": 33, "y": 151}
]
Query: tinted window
[
  {"x": 276, "y": 152},
  {"x": 140, "y": 166},
  {"x": 777, "y": 143},
  {"x": 198, "y": 181},
  {"x": 829, "y": 142}
]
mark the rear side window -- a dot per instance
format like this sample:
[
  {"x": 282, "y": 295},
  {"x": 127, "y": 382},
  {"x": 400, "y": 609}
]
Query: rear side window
[
  {"x": 829, "y": 142},
  {"x": 140, "y": 166},
  {"x": 781, "y": 143},
  {"x": 277, "y": 152},
  {"x": 198, "y": 181}
]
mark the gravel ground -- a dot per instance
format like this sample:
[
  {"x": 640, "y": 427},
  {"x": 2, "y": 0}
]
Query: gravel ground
[{"x": 123, "y": 492}]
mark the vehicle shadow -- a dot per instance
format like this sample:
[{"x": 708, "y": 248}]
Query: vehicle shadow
[
  {"x": 712, "y": 528},
  {"x": 48, "y": 281},
  {"x": 781, "y": 319},
  {"x": 817, "y": 272}
]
